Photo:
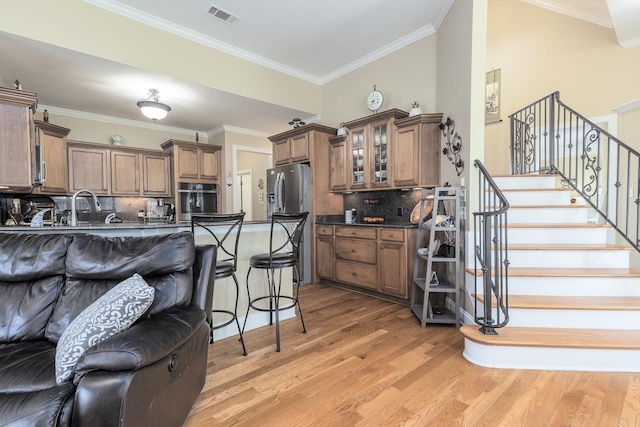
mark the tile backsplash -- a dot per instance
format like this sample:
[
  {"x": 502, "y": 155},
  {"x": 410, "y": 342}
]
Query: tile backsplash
[{"x": 386, "y": 204}]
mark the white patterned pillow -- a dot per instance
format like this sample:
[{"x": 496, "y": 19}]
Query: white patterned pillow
[{"x": 113, "y": 312}]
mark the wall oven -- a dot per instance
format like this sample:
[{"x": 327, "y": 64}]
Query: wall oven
[{"x": 197, "y": 199}]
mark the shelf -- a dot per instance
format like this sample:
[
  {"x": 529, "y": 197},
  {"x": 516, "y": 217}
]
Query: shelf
[
  {"x": 446, "y": 317},
  {"x": 444, "y": 286},
  {"x": 450, "y": 278}
]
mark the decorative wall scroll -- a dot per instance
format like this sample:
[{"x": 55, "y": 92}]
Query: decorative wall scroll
[{"x": 492, "y": 97}]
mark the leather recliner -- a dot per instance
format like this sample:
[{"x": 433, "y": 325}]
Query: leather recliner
[{"x": 147, "y": 375}]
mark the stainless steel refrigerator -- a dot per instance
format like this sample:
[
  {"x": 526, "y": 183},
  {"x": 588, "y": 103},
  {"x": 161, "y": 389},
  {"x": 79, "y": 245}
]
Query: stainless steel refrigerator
[{"x": 289, "y": 191}]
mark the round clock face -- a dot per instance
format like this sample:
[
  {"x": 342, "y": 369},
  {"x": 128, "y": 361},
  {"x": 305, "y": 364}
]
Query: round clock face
[{"x": 374, "y": 100}]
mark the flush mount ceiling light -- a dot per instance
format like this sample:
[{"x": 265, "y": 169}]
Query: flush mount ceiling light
[{"x": 152, "y": 108}]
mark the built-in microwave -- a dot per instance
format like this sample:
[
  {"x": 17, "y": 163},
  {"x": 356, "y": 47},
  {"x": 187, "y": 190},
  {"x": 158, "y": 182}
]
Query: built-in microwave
[{"x": 196, "y": 198}]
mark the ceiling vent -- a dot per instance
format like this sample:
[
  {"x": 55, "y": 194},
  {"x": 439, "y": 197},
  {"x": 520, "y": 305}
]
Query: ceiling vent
[{"x": 222, "y": 15}]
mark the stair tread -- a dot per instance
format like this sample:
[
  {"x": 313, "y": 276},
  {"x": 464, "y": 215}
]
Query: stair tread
[
  {"x": 527, "y": 175},
  {"x": 558, "y": 225},
  {"x": 569, "y": 206},
  {"x": 567, "y": 247},
  {"x": 554, "y": 189},
  {"x": 555, "y": 302},
  {"x": 622, "y": 339},
  {"x": 568, "y": 272}
]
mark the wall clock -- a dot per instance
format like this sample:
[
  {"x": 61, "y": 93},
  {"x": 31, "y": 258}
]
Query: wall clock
[{"x": 375, "y": 99}]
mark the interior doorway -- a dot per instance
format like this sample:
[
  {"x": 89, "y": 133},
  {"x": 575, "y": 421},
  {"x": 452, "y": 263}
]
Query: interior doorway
[
  {"x": 244, "y": 196},
  {"x": 258, "y": 161}
]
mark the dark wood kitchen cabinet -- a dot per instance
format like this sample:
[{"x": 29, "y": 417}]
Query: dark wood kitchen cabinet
[
  {"x": 376, "y": 259},
  {"x": 416, "y": 151},
  {"x": 89, "y": 168},
  {"x": 52, "y": 142},
  {"x": 118, "y": 171},
  {"x": 194, "y": 162},
  {"x": 324, "y": 252},
  {"x": 17, "y": 144}
]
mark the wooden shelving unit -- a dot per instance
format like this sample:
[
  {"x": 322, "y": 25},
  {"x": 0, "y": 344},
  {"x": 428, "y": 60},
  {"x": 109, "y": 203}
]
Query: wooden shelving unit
[{"x": 438, "y": 269}]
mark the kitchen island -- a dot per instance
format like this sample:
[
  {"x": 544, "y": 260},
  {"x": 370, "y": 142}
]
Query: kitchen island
[{"x": 254, "y": 239}]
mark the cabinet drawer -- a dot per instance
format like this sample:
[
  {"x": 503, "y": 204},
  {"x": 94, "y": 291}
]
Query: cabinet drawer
[
  {"x": 324, "y": 230},
  {"x": 354, "y": 273},
  {"x": 359, "y": 232},
  {"x": 392, "y": 235},
  {"x": 357, "y": 250}
]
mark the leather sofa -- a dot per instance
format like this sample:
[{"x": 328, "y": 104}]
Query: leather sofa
[{"x": 149, "y": 374}]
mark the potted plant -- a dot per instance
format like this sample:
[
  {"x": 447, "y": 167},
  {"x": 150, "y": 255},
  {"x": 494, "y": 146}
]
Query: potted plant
[{"x": 415, "y": 109}]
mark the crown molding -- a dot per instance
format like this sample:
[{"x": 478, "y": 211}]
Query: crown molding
[
  {"x": 573, "y": 12},
  {"x": 629, "y": 106},
  {"x": 244, "y": 131},
  {"x": 420, "y": 33},
  {"x": 115, "y": 120},
  {"x": 630, "y": 43}
]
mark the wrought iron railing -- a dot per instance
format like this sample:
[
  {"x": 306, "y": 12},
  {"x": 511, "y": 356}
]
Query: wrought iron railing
[
  {"x": 491, "y": 256},
  {"x": 547, "y": 136}
]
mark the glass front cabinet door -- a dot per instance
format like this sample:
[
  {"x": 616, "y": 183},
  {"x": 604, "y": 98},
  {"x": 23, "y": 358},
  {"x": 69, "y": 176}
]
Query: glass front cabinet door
[
  {"x": 358, "y": 158},
  {"x": 379, "y": 145}
]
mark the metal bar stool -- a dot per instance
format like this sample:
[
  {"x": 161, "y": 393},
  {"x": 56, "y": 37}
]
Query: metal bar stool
[
  {"x": 227, "y": 259},
  {"x": 278, "y": 258}
]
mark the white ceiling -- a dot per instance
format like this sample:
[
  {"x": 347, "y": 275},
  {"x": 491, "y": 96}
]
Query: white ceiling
[{"x": 313, "y": 40}]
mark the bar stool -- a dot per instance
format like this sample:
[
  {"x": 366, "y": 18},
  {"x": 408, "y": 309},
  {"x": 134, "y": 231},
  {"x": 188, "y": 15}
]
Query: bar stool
[
  {"x": 227, "y": 259},
  {"x": 280, "y": 257}
]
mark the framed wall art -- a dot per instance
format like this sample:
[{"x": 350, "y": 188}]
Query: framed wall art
[{"x": 492, "y": 97}]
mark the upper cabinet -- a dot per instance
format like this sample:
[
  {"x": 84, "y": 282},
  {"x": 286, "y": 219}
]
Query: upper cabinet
[
  {"x": 89, "y": 167},
  {"x": 17, "y": 145},
  {"x": 156, "y": 174},
  {"x": 416, "y": 153},
  {"x": 293, "y": 148},
  {"x": 121, "y": 171},
  {"x": 51, "y": 143},
  {"x": 387, "y": 150},
  {"x": 125, "y": 173},
  {"x": 338, "y": 163},
  {"x": 369, "y": 142},
  {"x": 194, "y": 162}
]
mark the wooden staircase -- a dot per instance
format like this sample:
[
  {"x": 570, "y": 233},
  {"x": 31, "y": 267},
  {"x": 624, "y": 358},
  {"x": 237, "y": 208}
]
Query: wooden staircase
[{"x": 574, "y": 303}]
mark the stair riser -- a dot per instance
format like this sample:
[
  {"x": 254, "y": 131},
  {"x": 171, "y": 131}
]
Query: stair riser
[
  {"x": 558, "y": 235},
  {"x": 585, "y": 319},
  {"x": 568, "y": 286},
  {"x": 569, "y": 259},
  {"x": 548, "y": 215},
  {"x": 541, "y": 181},
  {"x": 537, "y": 198},
  {"x": 564, "y": 359}
]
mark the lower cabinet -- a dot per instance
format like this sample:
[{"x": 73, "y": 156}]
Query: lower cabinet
[
  {"x": 325, "y": 265},
  {"x": 372, "y": 258}
]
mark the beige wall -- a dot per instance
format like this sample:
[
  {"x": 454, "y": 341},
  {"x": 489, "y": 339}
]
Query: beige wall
[
  {"x": 539, "y": 52},
  {"x": 240, "y": 143},
  {"x": 404, "y": 76}
]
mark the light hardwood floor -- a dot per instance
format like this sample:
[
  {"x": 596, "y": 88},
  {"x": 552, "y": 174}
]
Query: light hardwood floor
[{"x": 367, "y": 362}]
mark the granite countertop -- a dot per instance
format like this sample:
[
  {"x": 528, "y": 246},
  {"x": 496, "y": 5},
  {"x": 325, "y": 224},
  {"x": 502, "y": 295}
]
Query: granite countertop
[
  {"x": 99, "y": 226},
  {"x": 330, "y": 221}
]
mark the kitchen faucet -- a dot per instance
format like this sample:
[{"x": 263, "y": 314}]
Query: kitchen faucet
[{"x": 74, "y": 217}]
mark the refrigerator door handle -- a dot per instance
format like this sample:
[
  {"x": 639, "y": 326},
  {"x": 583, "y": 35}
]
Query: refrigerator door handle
[
  {"x": 283, "y": 192},
  {"x": 278, "y": 191}
]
